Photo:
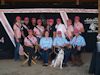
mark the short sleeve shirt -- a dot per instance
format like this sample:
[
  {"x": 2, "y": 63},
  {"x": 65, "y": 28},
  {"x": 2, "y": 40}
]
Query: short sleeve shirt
[
  {"x": 70, "y": 29},
  {"x": 78, "y": 25},
  {"x": 17, "y": 30},
  {"x": 38, "y": 31},
  {"x": 33, "y": 39}
]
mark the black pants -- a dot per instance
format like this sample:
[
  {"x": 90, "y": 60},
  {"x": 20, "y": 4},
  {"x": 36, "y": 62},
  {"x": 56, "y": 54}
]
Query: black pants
[
  {"x": 76, "y": 56},
  {"x": 75, "y": 52},
  {"x": 97, "y": 65},
  {"x": 31, "y": 53}
]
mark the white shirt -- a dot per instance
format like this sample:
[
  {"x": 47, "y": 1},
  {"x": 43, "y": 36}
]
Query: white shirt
[
  {"x": 62, "y": 28},
  {"x": 17, "y": 30},
  {"x": 37, "y": 31}
]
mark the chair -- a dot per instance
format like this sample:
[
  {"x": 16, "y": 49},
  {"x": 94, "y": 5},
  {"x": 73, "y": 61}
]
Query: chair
[
  {"x": 27, "y": 57},
  {"x": 37, "y": 48}
]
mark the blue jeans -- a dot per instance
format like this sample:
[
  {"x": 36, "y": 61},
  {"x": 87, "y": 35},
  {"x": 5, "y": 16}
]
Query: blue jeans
[
  {"x": 67, "y": 53},
  {"x": 16, "y": 54},
  {"x": 45, "y": 55}
]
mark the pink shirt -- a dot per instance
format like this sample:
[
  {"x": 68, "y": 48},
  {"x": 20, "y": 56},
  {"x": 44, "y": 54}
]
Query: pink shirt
[
  {"x": 17, "y": 31},
  {"x": 70, "y": 29},
  {"x": 39, "y": 31},
  {"x": 78, "y": 25},
  {"x": 27, "y": 41}
]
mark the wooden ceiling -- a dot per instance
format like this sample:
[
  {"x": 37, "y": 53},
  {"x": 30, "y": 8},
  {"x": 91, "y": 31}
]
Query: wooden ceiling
[
  {"x": 49, "y": 4},
  {"x": 49, "y": 0}
]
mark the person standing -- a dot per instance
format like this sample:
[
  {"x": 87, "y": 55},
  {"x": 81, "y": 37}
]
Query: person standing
[
  {"x": 47, "y": 24},
  {"x": 70, "y": 30},
  {"x": 17, "y": 35},
  {"x": 33, "y": 23},
  {"x": 60, "y": 27},
  {"x": 46, "y": 45},
  {"x": 78, "y": 25},
  {"x": 26, "y": 27},
  {"x": 51, "y": 28},
  {"x": 39, "y": 30}
]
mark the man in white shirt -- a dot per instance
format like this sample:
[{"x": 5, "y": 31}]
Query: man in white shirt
[{"x": 60, "y": 27}]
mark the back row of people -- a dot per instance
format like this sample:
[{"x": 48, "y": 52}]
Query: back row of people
[
  {"x": 60, "y": 35},
  {"x": 38, "y": 27}
]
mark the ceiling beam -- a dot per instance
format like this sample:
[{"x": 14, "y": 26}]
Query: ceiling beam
[{"x": 50, "y": 0}]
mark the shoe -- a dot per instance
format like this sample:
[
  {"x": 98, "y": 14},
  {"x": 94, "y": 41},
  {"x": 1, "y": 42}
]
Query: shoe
[
  {"x": 64, "y": 65},
  {"x": 46, "y": 64},
  {"x": 73, "y": 65},
  {"x": 29, "y": 64},
  {"x": 79, "y": 64}
]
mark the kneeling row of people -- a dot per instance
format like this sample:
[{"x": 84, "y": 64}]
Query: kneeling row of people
[{"x": 46, "y": 43}]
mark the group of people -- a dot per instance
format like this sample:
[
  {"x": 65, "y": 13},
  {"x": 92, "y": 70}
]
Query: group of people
[{"x": 49, "y": 39}]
